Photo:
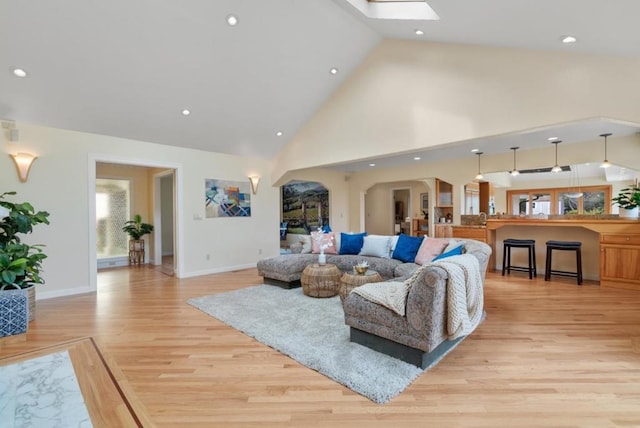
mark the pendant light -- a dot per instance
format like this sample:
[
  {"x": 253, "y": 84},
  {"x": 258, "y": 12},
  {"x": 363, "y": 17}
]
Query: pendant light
[
  {"x": 574, "y": 184},
  {"x": 556, "y": 167},
  {"x": 479, "y": 176},
  {"x": 605, "y": 163},
  {"x": 514, "y": 172}
]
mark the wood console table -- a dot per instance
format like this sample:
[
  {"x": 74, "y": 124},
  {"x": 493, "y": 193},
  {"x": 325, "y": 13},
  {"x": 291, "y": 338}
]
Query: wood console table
[{"x": 619, "y": 244}]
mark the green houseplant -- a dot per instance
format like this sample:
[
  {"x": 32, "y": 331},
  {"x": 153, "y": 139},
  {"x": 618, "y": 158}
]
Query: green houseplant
[
  {"x": 20, "y": 263},
  {"x": 136, "y": 230},
  {"x": 628, "y": 200}
]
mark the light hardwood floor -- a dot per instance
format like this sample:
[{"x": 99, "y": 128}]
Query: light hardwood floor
[{"x": 548, "y": 355}]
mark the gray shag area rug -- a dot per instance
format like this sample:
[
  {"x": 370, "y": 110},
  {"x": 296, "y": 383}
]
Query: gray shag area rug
[{"x": 311, "y": 331}]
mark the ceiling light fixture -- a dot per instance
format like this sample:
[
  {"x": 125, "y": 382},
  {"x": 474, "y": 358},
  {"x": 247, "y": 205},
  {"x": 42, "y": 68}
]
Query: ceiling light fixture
[
  {"x": 19, "y": 72},
  {"x": 333, "y": 71},
  {"x": 552, "y": 138},
  {"x": 605, "y": 163},
  {"x": 372, "y": 164},
  {"x": 279, "y": 134},
  {"x": 419, "y": 32},
  {"x": 417, "y": 158},
  {"x": 568, "y": 39},
  {"x": 232, "y": 20},
  {"x": 186, "y": 112},
  {"x": 479, "y": 175},
  {"x": 475, "y": 150},
  {"x": 514, "y": 172},
  {"x": 556, "y": 167},
  {"x": 577, "y": 193}
]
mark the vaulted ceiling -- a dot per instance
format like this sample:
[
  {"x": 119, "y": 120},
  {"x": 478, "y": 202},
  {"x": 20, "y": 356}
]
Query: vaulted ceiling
[{"x": 129, "y": 68}]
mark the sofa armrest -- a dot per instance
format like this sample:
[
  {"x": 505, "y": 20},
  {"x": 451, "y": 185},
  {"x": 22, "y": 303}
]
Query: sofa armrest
[{"x": 426, "y": 306}]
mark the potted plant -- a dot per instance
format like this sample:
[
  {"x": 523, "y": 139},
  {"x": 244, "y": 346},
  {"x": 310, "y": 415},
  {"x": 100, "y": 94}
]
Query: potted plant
[
  {"x": 20, "y": 263},
  {"x": 628, "y": 200},
  {"x": 136, "y": 230}
]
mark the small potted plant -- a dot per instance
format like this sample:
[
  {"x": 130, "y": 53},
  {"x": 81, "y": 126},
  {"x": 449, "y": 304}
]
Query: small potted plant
[
  {"x": 628, "y": 200},
  {"x": 20, "y": 263},
  {"x": 136, "y": 230}
]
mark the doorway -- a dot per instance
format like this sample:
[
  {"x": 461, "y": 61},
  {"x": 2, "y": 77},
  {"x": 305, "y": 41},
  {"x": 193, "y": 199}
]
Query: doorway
[
  {"x": 143, "y": 181},
  {"x": 401, "y": 208}
]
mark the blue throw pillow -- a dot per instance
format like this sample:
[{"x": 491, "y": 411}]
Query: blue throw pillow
[
  {"x": 407, "y": 248},
  {"x": 455, "y": 252},
  {"x": 351, "y": 243}
]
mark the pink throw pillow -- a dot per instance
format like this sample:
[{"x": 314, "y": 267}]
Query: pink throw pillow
[
  {"x": 327, "y": 238},
  {"x": 430, "y": 249}
]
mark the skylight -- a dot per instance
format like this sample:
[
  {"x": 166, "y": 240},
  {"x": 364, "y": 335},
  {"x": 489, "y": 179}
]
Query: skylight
[{"x": 417, "y": 10}]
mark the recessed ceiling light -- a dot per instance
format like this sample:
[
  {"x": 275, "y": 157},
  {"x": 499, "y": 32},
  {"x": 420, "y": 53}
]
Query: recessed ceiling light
[
  {"x": 475, "y": 150},
  {"x": 19, "y": 72},
  {"x": 279, "y": 134},
  {"x": 552, "y": 138},
  {"x": 417, "y": 158},
  {"x": 333, "y": 71},
  {"x": 186, "y": 112},
  {"x": 568, "y": 39},
  {"x": 419, "y": 32},
  {"x": 232, "y": 20},
  {"x": 372, "y": 164}
]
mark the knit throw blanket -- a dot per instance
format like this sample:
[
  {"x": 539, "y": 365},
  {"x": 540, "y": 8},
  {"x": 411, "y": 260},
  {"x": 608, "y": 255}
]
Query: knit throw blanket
[{"x": 465, "y": 297}]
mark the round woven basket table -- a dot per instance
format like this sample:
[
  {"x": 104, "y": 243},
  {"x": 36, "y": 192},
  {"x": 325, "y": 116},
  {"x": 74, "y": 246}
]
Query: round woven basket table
[
  {"x": 350, "y": 280},
  {"x": 320, "y": 280}
]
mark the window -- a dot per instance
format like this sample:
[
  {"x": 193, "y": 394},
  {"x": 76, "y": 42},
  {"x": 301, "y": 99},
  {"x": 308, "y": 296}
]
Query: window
[
  {"x": 112, "y": 211},
  {"x": 561, "y": 200}
]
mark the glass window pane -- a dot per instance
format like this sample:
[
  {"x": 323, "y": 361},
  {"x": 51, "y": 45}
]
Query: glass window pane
[
  {"x": 541, "y": 203},
  {"x": 519, "y": 204},
  {"x": 594, "y": 202},
  {"x": 568, "y": 204},
  {"x": 112, "y": 211}
]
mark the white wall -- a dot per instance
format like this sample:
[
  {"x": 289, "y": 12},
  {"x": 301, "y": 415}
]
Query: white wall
[
  {"x": 409, "y": 95},
  {"x": 60, "y": 183}
]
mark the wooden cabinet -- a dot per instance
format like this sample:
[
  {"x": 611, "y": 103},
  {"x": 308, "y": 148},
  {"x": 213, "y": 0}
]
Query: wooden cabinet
[
  {"x": 420, "y": 227},
  {"x": 443, "y": 230},
  {"x": 477, "y": 233},
  {"x": 620, "y": 260},
  {"x": 444, "y": 194}
]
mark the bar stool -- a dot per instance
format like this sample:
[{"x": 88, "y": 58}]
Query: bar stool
[
  {"x": 564, "y": 246},
  {"x": 530, "y": 245}
]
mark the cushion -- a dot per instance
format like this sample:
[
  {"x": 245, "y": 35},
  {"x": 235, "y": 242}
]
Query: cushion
[
  {"x": 452, "y": 244},
  {"x": 394, "y": 242},
  {"x": 454, "y": 252},
  {"x": 305, "y": 240},
  {"x": 351, "y": 243},
  {"x": 376, "y": 246},
  {"x": 430, "y": 249},
  {"x": 407, "y": 248},
  {"x": 328, "y": 239}
]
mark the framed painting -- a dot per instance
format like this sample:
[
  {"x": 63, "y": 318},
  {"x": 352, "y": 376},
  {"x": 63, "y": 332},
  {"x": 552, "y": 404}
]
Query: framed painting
[{"x": 225, "y": 198}]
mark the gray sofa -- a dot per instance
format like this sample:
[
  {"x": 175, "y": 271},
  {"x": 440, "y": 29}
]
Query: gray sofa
[
  {"x": 285, "y": 270},
  {"x": 420, "y": 336}
]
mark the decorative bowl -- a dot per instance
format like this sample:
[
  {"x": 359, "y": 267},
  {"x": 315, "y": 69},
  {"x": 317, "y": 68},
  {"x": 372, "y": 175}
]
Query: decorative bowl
[{"x": 360, "y": 270}]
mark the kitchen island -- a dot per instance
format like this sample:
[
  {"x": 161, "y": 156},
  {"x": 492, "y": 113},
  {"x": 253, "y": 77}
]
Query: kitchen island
[{"x": 611, "y": 246}]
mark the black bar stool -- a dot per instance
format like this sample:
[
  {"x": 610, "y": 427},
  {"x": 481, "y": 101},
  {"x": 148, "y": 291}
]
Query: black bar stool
[
  {"x": 530, "y": 245},
  {"x": 564, "y": 246}
]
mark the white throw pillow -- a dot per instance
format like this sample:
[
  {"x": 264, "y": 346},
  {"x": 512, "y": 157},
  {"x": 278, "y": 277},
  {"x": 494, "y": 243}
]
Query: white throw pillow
[
  {"x": 305, "y": 240},
  {"x": 376, "y": 246}
]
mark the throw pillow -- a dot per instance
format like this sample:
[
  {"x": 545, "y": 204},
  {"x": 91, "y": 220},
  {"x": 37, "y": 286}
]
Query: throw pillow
[
  {"x": 407, "y": 248},
  {"x": 376, "y": 246},
  {"x": 452, "y": 244},
  {"x": 305, "y": 240},
  {"x": 430, "y": 248},
  {"x": 394, "y": 242},
  {"x": 455, "y": 252},
  {"x": 351, "y": 243},
  {"x": 328, "y": 239}
]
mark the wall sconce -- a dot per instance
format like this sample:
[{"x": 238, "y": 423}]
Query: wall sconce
[
  {"x": 23, "y": 163},
  {"x": 254, "y": 180}
]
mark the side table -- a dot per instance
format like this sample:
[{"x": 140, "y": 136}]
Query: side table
[
  {"x": 320, "y": 280},
  {"x": 350, "y": 280}
]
